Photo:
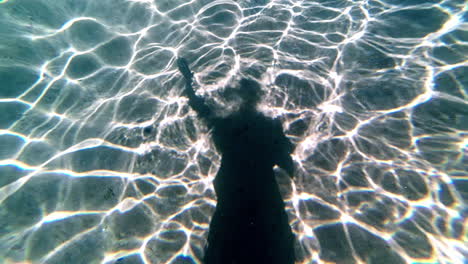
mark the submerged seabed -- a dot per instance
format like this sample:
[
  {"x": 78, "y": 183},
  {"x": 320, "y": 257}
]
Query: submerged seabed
[{"x": 102, "y": 161}]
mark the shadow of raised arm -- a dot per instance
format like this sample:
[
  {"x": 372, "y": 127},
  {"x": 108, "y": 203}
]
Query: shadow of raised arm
[{"x": 197, "y": 103}]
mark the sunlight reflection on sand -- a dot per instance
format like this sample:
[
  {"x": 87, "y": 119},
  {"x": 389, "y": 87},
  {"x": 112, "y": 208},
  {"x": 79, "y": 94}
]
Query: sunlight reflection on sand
[{"x": 102, "y": 160}]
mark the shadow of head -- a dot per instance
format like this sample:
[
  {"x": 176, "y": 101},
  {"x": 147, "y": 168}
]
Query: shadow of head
[
  {"x": 250, "y": 93},
  {"x": 244, "y": 96}
]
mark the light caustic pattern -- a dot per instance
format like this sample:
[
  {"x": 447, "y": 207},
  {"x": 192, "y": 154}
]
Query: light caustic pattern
[{"x": 102, "y": 161}]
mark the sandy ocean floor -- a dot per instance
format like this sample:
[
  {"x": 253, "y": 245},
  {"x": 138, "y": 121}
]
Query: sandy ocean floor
[{"x": 103, "y": 161}]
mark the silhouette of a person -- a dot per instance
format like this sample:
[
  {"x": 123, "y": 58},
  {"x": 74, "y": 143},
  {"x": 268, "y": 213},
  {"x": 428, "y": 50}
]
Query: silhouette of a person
[{"x": 250, "y": 224}]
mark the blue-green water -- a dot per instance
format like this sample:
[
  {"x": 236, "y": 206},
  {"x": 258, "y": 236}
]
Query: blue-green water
[{"x": 102, "y": 160}]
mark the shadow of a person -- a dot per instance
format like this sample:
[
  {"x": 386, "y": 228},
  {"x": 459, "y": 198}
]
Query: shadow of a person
[{"x": 250, "y": 224}]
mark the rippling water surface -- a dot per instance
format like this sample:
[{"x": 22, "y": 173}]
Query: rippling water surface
[{"x": 102, "y": 160}]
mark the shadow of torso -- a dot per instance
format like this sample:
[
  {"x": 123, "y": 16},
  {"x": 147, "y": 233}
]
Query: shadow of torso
[{"x": 249, "y": 224}]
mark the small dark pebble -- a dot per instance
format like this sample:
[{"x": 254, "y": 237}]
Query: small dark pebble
[{"x": 147, "y": 130}]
